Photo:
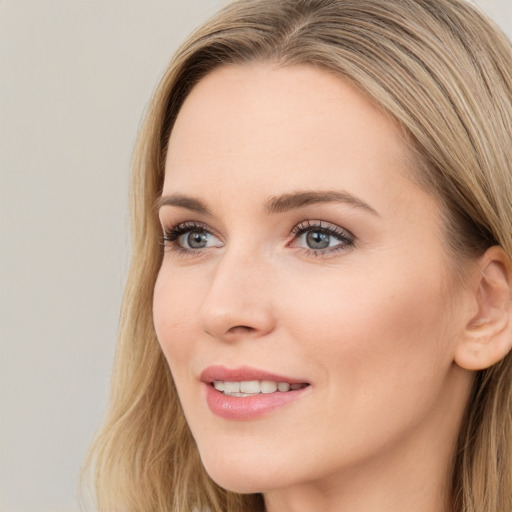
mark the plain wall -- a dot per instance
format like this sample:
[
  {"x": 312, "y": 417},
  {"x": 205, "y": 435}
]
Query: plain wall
[{"x": 76, "y": 77}]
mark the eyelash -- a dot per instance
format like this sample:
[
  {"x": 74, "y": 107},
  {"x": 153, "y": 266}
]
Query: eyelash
[
  {"x": 346, "y": 239},
  {"x": 172, "y": 235},
  {"x": 344, "y": 236}
]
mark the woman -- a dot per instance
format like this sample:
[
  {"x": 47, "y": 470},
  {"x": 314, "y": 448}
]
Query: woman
[{"x": 325, "y": 323}]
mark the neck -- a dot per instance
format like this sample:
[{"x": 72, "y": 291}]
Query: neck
[{"x": 387, "y": 487}]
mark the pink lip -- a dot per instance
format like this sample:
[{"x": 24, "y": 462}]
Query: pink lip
[
  {"x": 213, "y": 373},
  {"x": 250, "y": 407}
]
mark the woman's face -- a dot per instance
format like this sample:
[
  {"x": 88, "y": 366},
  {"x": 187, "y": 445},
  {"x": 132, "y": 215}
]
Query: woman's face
[{"x": 299, "y": 253}]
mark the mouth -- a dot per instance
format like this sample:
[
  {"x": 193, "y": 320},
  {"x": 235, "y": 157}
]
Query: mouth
[
  {"x": 247, "y": 393},
  {"x": 247, "y": 388}
]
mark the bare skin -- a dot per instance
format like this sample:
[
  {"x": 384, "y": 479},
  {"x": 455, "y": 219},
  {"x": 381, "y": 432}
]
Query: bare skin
[{"x": 350, "y": 292}]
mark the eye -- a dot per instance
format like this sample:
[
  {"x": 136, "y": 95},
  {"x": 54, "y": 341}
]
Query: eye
[
  {"x": 321, "y": 238},
  {"x": 190, "y": 237}
]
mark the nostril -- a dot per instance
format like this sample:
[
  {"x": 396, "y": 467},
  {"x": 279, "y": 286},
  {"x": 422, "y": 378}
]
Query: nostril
[
  {"x": 240, "y": 329},
  {"x": 237, "y": 329},
  {"x": 243, "y": 327}
]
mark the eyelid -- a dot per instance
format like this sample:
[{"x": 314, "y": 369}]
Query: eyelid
[
  {"x": 172, "y": 234},
  {"x": 189, "y": 225},
  {"x": 309, "y": 225},
  {"x": 344, "y": 236}
]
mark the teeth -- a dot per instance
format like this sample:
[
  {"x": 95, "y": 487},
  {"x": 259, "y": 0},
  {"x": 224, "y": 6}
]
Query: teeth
[
  {"x": 231, "y": 387},
  {"x": 250, "y": 386},
  {"x": 267, "y": 386},
  {"x": 254, "y": 387},
  {"x": 283, "y": 386}
]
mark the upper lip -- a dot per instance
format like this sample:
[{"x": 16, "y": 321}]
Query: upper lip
[{"x": 243, "y": 373}]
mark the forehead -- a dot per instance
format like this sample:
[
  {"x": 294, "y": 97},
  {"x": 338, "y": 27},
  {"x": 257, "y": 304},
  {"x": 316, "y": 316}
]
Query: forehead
[{"x": 272, "y": 128}]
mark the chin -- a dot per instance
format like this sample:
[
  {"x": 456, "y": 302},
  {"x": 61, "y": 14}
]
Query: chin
[
  {"x": 241, "y": 482},
  {"x": 241, "y": 473},
  {"x": 238, "y": 485}
]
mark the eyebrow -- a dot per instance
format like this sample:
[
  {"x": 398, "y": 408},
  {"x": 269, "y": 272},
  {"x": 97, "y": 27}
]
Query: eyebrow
[
  {"x": 276, "y": 204},
  {"x": 300, "y": 199},
  {"x": 182, "y": 201}
]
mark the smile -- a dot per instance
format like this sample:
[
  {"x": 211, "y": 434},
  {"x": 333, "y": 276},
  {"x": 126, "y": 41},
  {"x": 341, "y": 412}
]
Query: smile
[
  {"x": 255, "y": 387},
  {"x": 245, "y": 393}
]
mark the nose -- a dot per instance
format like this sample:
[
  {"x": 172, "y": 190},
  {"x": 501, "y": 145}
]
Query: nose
[{"x": 237, "y": 304}]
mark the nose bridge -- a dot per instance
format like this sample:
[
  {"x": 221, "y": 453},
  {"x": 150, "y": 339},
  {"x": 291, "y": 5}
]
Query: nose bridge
[{"x": 238, "y": 300}]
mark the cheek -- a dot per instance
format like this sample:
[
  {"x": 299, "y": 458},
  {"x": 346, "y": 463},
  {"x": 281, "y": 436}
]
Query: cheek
[
  {"x": 173, "y": 307},
  {"x": 380, "y": 352},
  {"x": 373, "y": 330}
]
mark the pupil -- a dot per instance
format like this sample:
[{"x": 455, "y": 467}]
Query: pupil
[
  {"x": 197, "y": 240},
  {"x": 317, "y": 240}
]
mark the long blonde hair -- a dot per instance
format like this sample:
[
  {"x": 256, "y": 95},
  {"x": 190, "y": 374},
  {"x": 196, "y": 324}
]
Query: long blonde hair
[{"x": 444, "y": 73}]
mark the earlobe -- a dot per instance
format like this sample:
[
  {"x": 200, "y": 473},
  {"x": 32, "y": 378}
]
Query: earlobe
[{"x": 487, "y": 337}]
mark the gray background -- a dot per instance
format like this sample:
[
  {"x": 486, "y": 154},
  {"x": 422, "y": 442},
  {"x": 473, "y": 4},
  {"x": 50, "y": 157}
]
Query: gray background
[{"x": 76, "y": 77}]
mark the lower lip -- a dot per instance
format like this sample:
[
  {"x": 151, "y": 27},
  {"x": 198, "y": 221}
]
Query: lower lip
[{"x": 248, "y": 407}]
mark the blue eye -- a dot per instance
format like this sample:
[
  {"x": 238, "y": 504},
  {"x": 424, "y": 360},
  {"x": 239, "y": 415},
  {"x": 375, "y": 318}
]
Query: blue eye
[
  {"x": 196, "y": 240},
  {"x": 320, "y": 237},
  {"x": 317, "y": 237},
  {"x": 190, "y": 237}
]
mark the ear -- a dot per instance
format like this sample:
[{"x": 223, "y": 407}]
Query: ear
[{"x": 487, "y": 337}]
